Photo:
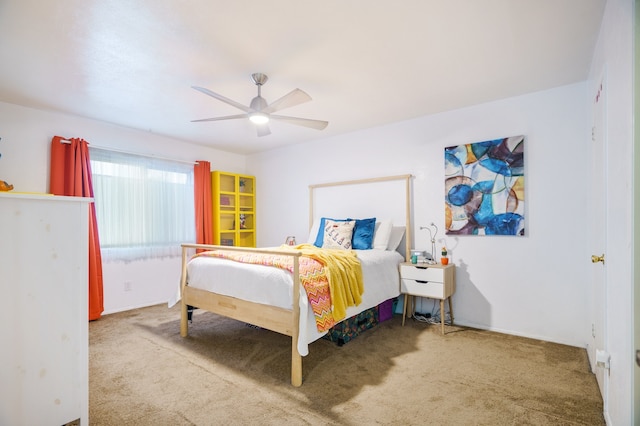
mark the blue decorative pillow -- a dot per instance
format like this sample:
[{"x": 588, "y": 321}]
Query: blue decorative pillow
[{"x": 362, "y": 233}]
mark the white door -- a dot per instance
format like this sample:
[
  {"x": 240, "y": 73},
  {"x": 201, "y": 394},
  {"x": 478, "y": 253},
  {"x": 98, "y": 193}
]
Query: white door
[{"x": 598, "y": 221}]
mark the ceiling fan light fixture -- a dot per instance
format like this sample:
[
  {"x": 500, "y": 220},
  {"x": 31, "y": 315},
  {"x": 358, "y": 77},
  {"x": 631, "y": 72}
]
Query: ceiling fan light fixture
[
  {"x": 258, "y": 118},
  {"x": 260, "y": 112}
]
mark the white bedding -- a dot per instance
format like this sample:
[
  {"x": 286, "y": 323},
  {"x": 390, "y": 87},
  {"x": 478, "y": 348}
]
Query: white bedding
[{"x": 273, "y": 286}]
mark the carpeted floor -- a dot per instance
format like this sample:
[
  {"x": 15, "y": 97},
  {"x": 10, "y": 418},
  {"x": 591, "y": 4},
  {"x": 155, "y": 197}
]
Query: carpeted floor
[{"x": 143, "y": 373}]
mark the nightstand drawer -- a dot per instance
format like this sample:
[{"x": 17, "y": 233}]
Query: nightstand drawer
[
  {"x": 421, "y": 273},
  {"x": 431, "y": 289}
]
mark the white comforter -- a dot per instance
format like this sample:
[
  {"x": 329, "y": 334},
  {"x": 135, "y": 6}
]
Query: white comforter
[{"x": 273, "y": 286}]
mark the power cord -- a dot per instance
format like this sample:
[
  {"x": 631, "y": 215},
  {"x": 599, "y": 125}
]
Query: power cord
[{"x": 433, "y": 317}]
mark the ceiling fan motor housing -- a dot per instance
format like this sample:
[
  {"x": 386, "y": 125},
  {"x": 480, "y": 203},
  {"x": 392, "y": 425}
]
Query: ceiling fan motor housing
[{"x": 258, "y": 103}]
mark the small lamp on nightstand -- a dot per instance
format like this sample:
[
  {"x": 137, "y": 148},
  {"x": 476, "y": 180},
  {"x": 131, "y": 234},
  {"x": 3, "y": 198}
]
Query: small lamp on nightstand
[{"x": 432, "y": 236}]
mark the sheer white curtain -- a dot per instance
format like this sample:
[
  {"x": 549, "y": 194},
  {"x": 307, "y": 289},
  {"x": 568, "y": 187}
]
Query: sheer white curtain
[{"x": 144, "y": 205}]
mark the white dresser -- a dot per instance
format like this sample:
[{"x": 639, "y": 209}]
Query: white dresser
[{"x": 44, "y": 362}]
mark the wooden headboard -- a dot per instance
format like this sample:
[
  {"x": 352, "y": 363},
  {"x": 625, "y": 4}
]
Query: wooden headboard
[{"x": 404, "y": 194}]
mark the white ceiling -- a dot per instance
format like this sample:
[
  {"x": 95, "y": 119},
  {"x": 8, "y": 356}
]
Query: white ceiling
[{"x": 364, "y": 62}]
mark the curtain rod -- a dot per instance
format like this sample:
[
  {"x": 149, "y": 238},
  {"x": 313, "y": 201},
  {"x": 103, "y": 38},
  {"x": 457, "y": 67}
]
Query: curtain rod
[{"x": 67, "y": 141}]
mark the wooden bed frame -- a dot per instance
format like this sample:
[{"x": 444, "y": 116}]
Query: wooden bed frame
[{"x": 280, "y": 320}]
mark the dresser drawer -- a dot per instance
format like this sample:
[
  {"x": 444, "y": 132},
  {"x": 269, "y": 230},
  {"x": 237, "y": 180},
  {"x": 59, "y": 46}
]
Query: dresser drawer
[
  {"x": 421, "y": 273},
  {"x": 431, "y": 289}
]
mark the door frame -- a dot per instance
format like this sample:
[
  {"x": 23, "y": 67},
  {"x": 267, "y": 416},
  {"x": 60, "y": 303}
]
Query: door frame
[
  {"x": 598, "y": 239},
  {"x": 636, "y": 210}
]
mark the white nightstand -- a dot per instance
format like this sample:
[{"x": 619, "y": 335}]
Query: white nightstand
[{"x": 433, "y": 281}]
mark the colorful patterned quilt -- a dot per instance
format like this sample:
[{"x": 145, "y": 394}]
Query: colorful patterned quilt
[{"x": 332, "y": 279}]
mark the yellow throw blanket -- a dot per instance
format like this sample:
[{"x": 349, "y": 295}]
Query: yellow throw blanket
[{"x": 344, "y": 273}]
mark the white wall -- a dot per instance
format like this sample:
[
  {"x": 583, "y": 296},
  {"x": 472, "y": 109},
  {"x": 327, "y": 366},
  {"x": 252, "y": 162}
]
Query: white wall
[
  {"x": 614, "y": 56},
  {"x": 533, "y": 285},
  {"x": 25, "y": 147}
]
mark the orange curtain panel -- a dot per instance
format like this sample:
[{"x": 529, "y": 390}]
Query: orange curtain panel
[
  {"x": 71, "y": 176},
  {"x": 202, "y": 197}
]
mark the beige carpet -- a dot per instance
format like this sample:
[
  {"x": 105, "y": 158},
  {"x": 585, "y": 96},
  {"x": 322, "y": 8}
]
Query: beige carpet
[{"x": 143, "y": 373}]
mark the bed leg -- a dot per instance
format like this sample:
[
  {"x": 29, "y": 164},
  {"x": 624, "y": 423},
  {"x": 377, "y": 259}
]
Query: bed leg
[
  {"x": 184, "y": 320},
  {"x": 296, "y": 367},
  {"x": 296, "y": 358}
]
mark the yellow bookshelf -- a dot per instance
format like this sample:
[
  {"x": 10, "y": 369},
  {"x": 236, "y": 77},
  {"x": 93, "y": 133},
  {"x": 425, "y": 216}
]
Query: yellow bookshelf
[{"x": 234, "y": 208}]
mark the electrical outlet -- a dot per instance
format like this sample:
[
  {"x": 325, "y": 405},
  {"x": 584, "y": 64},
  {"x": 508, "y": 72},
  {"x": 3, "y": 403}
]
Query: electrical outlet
[
  {"x": 127, "y": 286},
  {"x": 593, "y": 330}
]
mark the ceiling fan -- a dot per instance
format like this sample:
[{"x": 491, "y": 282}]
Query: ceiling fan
[{"x": 260, "y": 112}]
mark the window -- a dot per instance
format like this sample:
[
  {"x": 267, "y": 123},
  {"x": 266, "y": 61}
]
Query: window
[{"x": 144, "y": 205}]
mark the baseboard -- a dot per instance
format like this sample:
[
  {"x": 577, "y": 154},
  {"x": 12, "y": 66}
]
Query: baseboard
[
  {"x": 519, "y": 334},
  {"x": 130, "y": 308}
]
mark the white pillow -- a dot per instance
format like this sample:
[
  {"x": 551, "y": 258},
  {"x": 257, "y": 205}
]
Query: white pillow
[
  {"x": 337, "y": 235},
  {"x": 397, "y": 232},
  {"x": 382, "y": 234},
  {"x": 313, "y": 233}
]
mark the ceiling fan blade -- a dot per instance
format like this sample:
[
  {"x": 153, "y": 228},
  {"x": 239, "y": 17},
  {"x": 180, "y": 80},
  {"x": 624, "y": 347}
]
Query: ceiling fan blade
[
  {"x": 228, "y": 117},
  {"x": 222, "y": 98},
  {"x": 293, "y": 98},
  {"x": 306, "y": 122},
  {"x": 263, "y": 129}
]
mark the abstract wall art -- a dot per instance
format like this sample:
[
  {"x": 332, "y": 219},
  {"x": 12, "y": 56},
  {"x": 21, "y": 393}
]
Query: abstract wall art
[{"x": 484, "y": 188}]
